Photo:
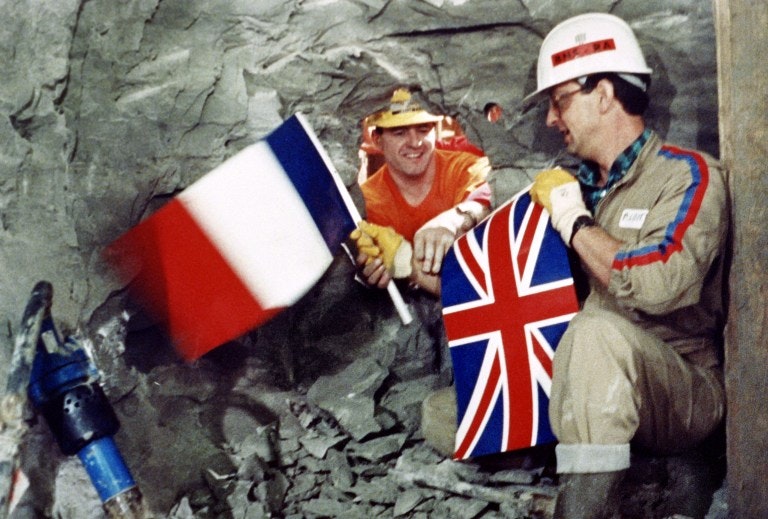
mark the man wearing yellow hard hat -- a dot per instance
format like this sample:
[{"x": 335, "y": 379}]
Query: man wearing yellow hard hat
[
  {"x": 638, "y": 366},
  {"x": 419, "y": 201}
]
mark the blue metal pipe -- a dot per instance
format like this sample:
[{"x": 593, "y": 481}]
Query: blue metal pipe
[
  {"x": 106, "y": 468},
  {"x": 64, "y": 387}
]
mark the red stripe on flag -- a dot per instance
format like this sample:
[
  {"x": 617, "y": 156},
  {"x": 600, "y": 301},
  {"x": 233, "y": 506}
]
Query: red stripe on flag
[
  {"x": 183, "y": 281},
  {"x": 530, "y": 232},
  {"x": 465, "y": 252},
  {"x": 485, "y": 403}
]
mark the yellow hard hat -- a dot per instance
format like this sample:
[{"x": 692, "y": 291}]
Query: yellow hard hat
[
  {"x": 403, "y": 111},
  {"x": 588, "y": 44}
]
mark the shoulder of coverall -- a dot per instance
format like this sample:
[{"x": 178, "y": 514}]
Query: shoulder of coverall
[{"x": 689, "y": 158}]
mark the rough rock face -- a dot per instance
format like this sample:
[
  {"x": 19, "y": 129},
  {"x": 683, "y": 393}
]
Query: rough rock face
[{"x": 111, "y": 108}]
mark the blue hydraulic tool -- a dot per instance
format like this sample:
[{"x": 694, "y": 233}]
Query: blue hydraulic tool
[{"x": 64, "y": 387}]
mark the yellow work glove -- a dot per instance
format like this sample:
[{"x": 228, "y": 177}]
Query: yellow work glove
[
  {"x": 545, "y": 182},
  {"x": 384, "y": 242},
  {"x": 560, "y": 193},
  {"x": 365, "y": 245}
]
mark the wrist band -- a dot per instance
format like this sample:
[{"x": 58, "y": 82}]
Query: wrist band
[
  {"x": 467, "y": 215},
  {"x": 581, "y": 222}
]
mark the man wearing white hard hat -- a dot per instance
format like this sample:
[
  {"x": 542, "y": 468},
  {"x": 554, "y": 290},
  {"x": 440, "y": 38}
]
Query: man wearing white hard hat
[
  {"x": 639, "y": 365},
  {"x": 419, "y": 201}
]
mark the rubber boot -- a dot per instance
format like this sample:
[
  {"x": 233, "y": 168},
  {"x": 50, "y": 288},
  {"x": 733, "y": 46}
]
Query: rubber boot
[{"x": 589, "y": 496}]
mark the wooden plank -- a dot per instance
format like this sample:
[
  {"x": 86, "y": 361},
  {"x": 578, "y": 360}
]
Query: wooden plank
[{"x": 742, "y": 44}]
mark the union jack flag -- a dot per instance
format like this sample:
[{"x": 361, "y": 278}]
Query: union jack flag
[{"x": 508, "y": 295}]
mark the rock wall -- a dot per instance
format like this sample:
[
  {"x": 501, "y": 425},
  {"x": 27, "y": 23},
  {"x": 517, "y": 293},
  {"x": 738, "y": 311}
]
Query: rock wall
[{"x": 110, "y": 108}]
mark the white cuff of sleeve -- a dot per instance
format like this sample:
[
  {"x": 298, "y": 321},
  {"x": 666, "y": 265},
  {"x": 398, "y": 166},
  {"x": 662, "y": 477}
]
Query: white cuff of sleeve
[{"x": 583, "y": 458}]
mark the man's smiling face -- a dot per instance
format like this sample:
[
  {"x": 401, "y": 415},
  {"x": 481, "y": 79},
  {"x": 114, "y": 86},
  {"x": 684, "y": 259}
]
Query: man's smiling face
[
  {"x": 407, "y": 150},
  {"x": 573, "y": 115}
]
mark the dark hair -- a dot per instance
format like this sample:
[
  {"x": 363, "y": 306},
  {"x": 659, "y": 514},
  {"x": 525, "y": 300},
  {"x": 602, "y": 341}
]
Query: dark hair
[{"x": 632, "y": 98}]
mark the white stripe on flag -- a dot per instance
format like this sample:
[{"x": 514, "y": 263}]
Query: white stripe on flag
[{"x": 260, "y": 236}]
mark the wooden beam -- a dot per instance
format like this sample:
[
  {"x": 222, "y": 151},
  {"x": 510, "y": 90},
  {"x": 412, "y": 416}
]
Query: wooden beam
[{"x": 742, "y": 44}]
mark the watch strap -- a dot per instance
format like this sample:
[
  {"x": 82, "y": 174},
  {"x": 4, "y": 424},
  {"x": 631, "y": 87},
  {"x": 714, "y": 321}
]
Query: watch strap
[{"x": 578, "y": 224}]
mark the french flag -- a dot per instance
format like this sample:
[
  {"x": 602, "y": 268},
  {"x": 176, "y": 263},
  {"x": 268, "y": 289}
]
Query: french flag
[{"x": 245, "y": 241}]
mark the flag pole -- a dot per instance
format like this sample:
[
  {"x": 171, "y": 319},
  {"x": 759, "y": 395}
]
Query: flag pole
[
  {"x": 394, "y": 294},
  {"x": 397, "y": 300}
]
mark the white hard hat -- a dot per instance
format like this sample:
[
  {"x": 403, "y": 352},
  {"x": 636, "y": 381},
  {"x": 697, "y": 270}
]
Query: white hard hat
[{"x": 588, "y": 44}]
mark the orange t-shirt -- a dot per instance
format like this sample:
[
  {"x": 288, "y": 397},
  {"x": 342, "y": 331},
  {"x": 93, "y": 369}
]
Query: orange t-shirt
[{"x": 384, "y": 205}]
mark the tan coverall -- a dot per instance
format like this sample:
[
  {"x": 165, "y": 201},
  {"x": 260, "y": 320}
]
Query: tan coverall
[{"x": 639, "y": 363}]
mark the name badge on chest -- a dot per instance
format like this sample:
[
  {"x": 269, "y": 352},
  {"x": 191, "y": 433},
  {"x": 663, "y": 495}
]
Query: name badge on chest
[{"x": 633, "y": 218}]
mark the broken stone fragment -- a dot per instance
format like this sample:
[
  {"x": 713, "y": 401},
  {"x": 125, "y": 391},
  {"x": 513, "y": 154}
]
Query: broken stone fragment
[
  {"x": 407, "y": 501},
  {"x": 348, "y": 396},
  {"x": 340, "y": 472},
  {"x": 318, "y": 445},
  {"x": 449, "y": 477},
  {"x": 514, "y": 476},
  {"x": 260, "y": 443},
  {"x": 322, "y": 507},
  {"x": 379, "y": 449},
  {"x": 379, "y": 491},
  {"x": 271, "y": 491}
]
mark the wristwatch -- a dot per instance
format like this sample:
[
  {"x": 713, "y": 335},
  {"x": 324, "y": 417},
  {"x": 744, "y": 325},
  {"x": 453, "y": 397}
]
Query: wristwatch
[{"x": 581, "y": 222}]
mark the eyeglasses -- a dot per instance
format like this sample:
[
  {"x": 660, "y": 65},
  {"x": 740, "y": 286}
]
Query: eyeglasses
[{"x": 556, "y": 103}]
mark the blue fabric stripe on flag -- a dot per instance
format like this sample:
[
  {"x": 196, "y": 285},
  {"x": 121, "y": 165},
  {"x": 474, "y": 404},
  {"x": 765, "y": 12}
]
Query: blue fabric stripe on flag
[
  {"x": 490, "y": 439},
  {"x": 456, "y": 287},
  {"x": 544, "y": 434},
  {"x": 309, "y": 173},
  {"x": 467, "y": 361}
]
